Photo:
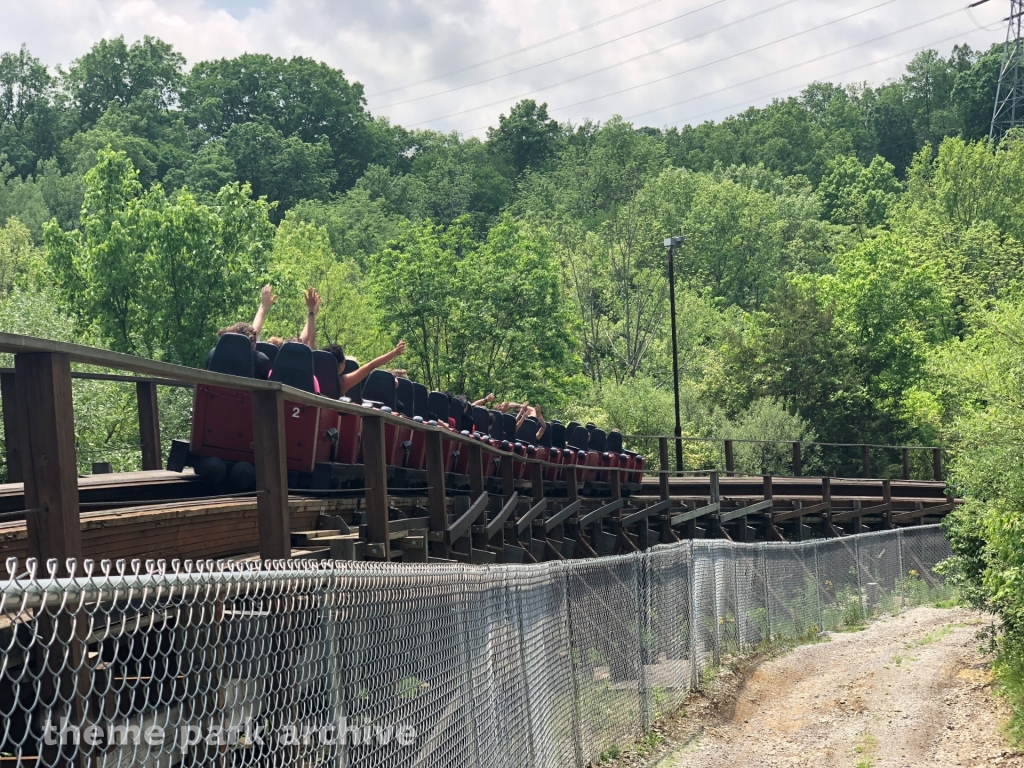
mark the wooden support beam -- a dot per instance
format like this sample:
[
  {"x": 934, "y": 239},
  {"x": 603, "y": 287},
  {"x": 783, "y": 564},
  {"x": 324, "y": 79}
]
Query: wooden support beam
[
  {"x": 852, "y": 514},
  {"x": 934, "y": 509},
  {"x": 693, "y": 514},
  {"x": 537, "y": 481},
  {"x": 375, "y": 472},
  {"x": 814, "y": 509},
  {"x": 437, "y": 505},
  {"x": 458, "y": 529},
  {"x": 615, "y": 480},
  {"x": 13, "y": 428},
  {"x": 730, "y": 463},
  {"x": 645, "y": 513},
  {"x": 571, "y": 484},
  {"x": 508, "y": 480},
  {"x": 496, "y": 524},
  {"x": 865, "y": 460},
  {"x": 887, "y": 499},
  {"x": 149, "y": 425},
  {"x": 937, "y": 463},
  {"x": 271, "y": 453},
  {"x": 906, "y": 463},
  {"x": 44, "y": 398},
  {"x": 592, "y": 517},
  {"x": 524, "y": 522},
  {"x": 476, "y": 469},
  {"x": 749, "y": 509},
  {"x": 663, "y": 485},
  {"x": 562, "y": 515},
  {"x": 797, "y": 460}
]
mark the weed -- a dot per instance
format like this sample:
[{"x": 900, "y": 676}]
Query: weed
[
  {"x": 934, "y": 637},
  {"x": 897, "y": 660},
  {"x": 867, "y": 744},
  {"x": 612, "y": 753}
]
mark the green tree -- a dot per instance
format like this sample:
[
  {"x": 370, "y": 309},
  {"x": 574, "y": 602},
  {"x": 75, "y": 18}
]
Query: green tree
[
  {"x": 30, "y": 124},
  {"x": 853, "y": 194},
  {"x": 157, "y": 276},
  {"x": 527, "y": 138}
]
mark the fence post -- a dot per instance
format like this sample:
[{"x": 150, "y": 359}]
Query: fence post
[
  {"x": 375, "y": 482},
  {"x": 643, "y": 614},
  {"x": 937, "y": 463},
  {"x": 899, "y": 549},
  {"x": 865, "y": 460},
  {"x": 437, "y": 505},
  {"x": 718, "y": 614},
  {"x": 49, "y": 463},
  {"x": 817, "y": 589},
  {"x": 694, "y": 621},
  {"x": 736, "y": 601},
  {"x": 730, "y": 463},
  {"x": 13, "y": 429},
  {"x": 272, "y": 510},
  {"x": 860, "y": 589},
  {"x": 663, "y": 479},
  {"x": 906, "y": 463},
  {"x": 577, "y": 716},
  {"x": 767, "y": 591},
  {"x": 149, "y": 425},
  {"x": 797, "y": 460}
]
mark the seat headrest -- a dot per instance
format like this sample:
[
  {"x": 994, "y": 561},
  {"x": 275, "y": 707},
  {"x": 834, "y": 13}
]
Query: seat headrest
[
  {"x": 481, "y": 419},
  {"x": 232, "y": 355},
  {"x": 545, "y": 439},
  {"x": 497, "y": 426},
  {"x": 294, "y": 366},
  {"x": 270, "y": 350},
  {"x": 379, "y": 386},
  {"x": 614, "y": 441},
  {"x": 597, "y": 440},
  {"x": 355, "y": 394},
  {"x": 580, "y": 438},
  {"x": 557, "y": 431},
  {"x": 570, "y": 428},
  {"x": 509, "y": 424},
  {"x": 527, "y": 432},
  {"x": 325, "y": 367},
  {"x": 420, "y": 398},
  {"x": 437, "y": 406},
  {"x": 406, "y": 395}
]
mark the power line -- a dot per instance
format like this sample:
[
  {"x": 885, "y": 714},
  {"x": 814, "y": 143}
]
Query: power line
[
  {"x": 747, "y": 102},
  {"x": 562, "y": 36},
  {"x": 570, "y": 55},
  {"x": 761, "y": 77},
  {"x": 611, "y": 66}
]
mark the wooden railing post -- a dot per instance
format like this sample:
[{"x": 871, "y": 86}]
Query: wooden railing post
[
  {"x": 906, "y": 463},
  {"x": 937, "y": 463},
  {"x": 149, "y": 425},
  {"x": 865, "y": 460},
  {"x": 375, "y": 481},
  {"x": 271, "y": 474},
  {"x": 663, "y": 478},
  {"x": 13, "y": 428},
  {"x": 508, "y": 482},
  {"x": 476, "y": 471},
  {"x": 797, "y": 460},
  {"x": 730, "y": 463},
  {"x": 43, "y": 384},
  {"x": 537, "y": 481},
  {"x": 437, "y": 504}
]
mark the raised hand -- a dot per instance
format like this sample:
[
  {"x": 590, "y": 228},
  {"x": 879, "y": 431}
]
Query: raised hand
[
  {"x": 267, "y": 296},
  {"x": 313, "y": 301},
  {"x": 399, "y": 350}
]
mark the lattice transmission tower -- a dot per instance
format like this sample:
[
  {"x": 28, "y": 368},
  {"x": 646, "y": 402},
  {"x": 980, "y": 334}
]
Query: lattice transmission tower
[{"x": 1009, "y": 108}]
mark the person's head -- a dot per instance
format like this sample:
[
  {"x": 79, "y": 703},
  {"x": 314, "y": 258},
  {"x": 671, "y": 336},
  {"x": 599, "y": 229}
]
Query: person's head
[
  {"x": 339, "y": 355},
  {"x": 243, "y": 328},
  {"x": 277, "y": 341},
  {"x": 465, "y": 402}
]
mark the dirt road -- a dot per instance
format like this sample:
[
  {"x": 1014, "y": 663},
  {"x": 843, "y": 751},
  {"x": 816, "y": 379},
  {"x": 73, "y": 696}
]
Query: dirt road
[{"x": 907, "y": 691}]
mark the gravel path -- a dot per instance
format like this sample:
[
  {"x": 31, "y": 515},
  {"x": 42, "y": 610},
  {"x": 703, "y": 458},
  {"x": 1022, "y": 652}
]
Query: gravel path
[{"x": 907, "y": 691}]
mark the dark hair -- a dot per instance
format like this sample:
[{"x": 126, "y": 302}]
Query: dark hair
[
  {"x": 464, "y": 400},
  {"x": 337, "y": 351},
  {"x": 243, "y": 328}
]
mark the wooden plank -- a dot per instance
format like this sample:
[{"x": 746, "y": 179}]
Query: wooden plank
[
  {"x": 476, "y": 469},
  {"x": 271, "y": 475},
  {"x": 375, "y": 473},
  {"x": 524, "y": 522},
  {"x": 460, "y": 526},
  {"x": 496, "y": 524},
  {"x": 749, "y": 509},
  {"x": 537, "y": 480},
  {"x": 935, "y": 509},
  {"x": 44, "y": 397},
  {"x": 693, "y": 514},
  {"x": 562, "y": 515},
  {"x": 615, "y": 476},
  {"x": 730, "y": 463},
  {"x": 663, "y": 490},
  {"x": 436, "y": 497},
  {"x": 507, "y": 472},
  {"x": 149, "y": 425},
  {"x": 592, "y": 517}
]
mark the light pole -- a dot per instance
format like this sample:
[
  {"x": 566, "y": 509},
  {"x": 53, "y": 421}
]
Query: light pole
[{"x": 672, "y": 243}]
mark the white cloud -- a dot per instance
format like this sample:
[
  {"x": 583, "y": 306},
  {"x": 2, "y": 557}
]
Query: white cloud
[{"x": 390, "y": 43}]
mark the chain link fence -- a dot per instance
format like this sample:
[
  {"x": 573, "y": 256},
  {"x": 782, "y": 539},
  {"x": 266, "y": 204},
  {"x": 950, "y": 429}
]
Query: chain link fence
[{"x": 343, "y": 664}]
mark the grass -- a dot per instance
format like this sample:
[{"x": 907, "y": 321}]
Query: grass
[
  {"x": 867, "y": 743},
  {"x": 934, "y": 637}
]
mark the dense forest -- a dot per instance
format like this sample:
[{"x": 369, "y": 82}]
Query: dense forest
[{"x": 851, "y": 271}]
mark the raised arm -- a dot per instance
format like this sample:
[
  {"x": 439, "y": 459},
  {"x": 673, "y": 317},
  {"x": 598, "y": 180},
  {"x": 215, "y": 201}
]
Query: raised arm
[
  {"x": 349, "y": 380},
  {"x": 308, "y": 335},
  {"x": 489, "y": 399},
  {"x": 267, "y": 299}
]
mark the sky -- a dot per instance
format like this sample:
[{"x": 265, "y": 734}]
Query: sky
[{"x": 459, "y": 64}]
